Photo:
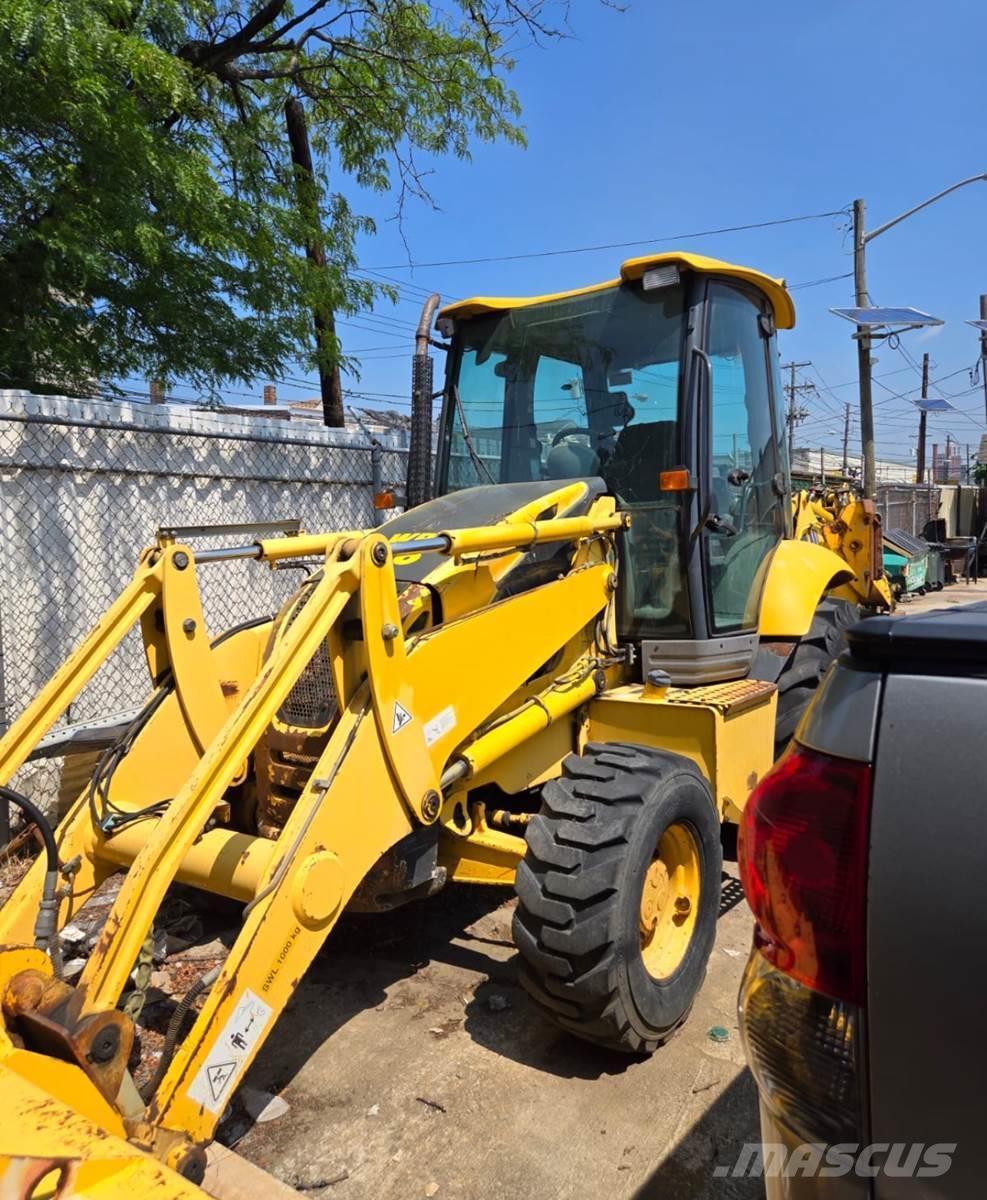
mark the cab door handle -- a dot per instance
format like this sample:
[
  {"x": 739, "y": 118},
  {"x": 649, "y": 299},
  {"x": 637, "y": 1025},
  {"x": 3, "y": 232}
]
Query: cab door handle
[{"x": 720, "y": 524}]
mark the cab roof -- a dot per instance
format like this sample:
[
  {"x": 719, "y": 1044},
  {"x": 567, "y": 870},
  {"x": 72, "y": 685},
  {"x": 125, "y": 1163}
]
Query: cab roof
[{"x": 634, "y": 268}]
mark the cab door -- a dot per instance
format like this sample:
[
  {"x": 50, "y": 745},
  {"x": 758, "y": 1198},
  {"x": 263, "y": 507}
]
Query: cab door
[{"x": 745, "y": 506}]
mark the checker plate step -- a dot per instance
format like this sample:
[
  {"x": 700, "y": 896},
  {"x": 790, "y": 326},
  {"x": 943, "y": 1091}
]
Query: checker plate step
[{"x": 727, "y": 698}]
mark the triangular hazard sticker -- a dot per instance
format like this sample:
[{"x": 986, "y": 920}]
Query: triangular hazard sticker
[
  {"x": 401, "y": 717},
  {"x": 219, "y": 1076}
]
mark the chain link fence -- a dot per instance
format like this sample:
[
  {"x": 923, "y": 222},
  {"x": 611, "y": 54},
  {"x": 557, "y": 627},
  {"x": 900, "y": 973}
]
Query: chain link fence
[
  {"x": 84, "y": 485},
  {"x": 907, "y": 506}
]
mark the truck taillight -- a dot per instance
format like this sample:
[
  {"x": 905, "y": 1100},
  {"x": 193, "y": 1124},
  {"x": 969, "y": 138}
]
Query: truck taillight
[{"x": 803, "y": 863}]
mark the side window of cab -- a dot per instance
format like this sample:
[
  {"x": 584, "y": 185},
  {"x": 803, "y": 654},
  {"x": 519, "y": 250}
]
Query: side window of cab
[{"x": 746, "y": 458}]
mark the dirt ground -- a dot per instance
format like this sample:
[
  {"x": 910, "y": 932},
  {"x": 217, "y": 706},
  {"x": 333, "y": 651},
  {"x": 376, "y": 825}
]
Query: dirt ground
[{"x": 415, "y": 1067}]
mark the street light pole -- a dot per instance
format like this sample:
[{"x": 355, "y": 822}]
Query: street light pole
[
  {"x": 983, "y": 349},
  {"x": 863, "y": 352},
  {"x": 920, "y": 465},
  {"x": 860, "y": 239}
]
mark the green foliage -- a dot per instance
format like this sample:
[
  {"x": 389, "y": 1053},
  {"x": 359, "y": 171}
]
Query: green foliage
[
  {"x": 979, "y": 470},
  {"x": 149, "y": 215}
]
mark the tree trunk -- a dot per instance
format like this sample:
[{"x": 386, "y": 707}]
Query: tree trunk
[{"x": 324, "y": 321}]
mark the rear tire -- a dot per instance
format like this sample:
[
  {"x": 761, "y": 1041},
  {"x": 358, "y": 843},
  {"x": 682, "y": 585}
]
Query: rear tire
[
  {"x": 583, "y": 889},
  {"x": 810, "y": 660}
]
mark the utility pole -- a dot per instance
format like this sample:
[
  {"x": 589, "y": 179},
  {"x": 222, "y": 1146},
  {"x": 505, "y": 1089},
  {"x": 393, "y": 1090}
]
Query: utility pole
[
  {"x": 922, "y": 414},
  {"x": 949, "y": 457},
  {"x": 795, "y": 414},
  {"x": 861, "y": 237},
  {"x": 846, "y": 437},
  {"x": 863, "y": 351},
  {"x": 983, "y": 349}
]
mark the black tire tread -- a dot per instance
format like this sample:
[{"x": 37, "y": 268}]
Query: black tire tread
[
  {"x": 567, "y": 885},
  {"x": 809, "y": 662}
]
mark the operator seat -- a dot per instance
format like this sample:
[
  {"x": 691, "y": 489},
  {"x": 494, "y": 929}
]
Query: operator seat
[{"x": 571, "y": 460}]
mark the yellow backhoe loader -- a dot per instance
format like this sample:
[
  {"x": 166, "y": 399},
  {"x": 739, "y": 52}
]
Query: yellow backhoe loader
[{"x": 560, "y": 675}]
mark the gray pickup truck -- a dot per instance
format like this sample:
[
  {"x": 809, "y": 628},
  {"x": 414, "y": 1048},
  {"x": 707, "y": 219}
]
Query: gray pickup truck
[{"x": 863, "y": 854}]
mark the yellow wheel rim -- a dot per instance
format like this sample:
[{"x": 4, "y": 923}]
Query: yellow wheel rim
[{"x": 670, "y": 901}]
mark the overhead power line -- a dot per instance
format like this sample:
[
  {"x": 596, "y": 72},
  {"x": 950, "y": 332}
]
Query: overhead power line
[
  {"x": 795, "y": 287},
  {"x": 823, "y": 387},
  {"x": 409, "y": 287},
  {"x": 907, "y": 394},
  {"x": 652, "y": 241}
]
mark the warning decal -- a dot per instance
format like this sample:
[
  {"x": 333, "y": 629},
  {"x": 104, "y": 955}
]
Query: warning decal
[
  {"x": 441, "y": 724},
  {"x": 401, "y": 717},
  {"x": 217, "y": 1077}
]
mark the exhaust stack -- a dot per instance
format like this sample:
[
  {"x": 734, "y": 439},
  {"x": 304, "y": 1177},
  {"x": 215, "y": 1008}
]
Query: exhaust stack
[{"x": 419, "y": 482}]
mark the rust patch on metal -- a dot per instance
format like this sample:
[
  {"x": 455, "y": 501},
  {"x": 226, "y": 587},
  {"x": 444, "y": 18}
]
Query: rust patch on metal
[
  {"x": 782, "y": 649},
  {"x": 108, "y": 933},
  {"x": 23, "y": 993},
  {"x": 229, "y": 687},
  {"x": 45, "y": 1011},
  {"x": 410, "y": 596}
]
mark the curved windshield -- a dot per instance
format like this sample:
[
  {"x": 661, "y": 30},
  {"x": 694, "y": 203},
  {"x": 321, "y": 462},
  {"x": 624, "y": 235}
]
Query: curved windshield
[
  {"x": 582, "y": 386},
  {"x": 577, "y": 387}
]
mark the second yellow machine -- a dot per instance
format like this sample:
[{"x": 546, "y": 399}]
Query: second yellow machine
[{"x": 561, "y": 674}]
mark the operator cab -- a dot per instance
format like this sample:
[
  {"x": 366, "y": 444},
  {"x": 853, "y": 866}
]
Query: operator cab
[{"x": 663, "y": 384}]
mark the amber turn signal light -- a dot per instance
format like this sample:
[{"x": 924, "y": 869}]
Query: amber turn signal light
[
  {"x": 383, "y": 500},
  {"x": 676, "y": 480}
]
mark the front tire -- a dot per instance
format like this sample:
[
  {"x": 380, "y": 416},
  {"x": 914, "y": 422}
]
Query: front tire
[{"x": 618, "y": 895}]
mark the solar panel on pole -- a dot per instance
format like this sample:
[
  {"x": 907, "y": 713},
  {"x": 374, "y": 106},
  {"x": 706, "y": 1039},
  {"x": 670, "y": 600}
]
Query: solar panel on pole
[{"x": 873, "y": 317}]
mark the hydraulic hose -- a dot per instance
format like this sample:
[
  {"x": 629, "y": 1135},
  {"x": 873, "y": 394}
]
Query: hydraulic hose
[
  {"x": 46, "y": 925},
  {"x": 182, "y": 1010},
  {"x": 33, "y": 813}
]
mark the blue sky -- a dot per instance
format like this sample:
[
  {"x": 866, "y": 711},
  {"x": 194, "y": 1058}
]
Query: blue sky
[{"x": 666, "y": 119}]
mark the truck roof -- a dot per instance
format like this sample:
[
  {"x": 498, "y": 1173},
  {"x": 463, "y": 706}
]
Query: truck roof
[{"x": 949, "y": 640}]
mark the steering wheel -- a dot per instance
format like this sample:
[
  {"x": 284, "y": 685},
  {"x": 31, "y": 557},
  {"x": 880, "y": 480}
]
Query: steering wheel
[{"x": 570, "y": 431}]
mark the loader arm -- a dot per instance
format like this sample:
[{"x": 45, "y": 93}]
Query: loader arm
[{"x": 386, "y": 770}]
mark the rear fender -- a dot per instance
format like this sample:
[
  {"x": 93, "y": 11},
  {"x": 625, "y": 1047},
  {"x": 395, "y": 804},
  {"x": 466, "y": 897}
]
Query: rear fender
[{"x": 798, "y": 577}]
